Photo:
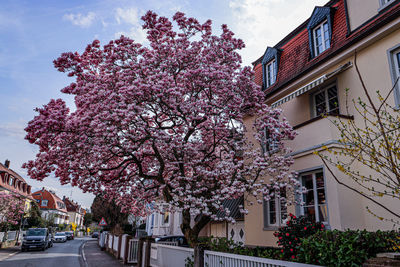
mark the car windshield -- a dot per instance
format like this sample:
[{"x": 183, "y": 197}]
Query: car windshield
[
  {"x": 58, "y": 234},
  {"x": 36, "y": 232}
]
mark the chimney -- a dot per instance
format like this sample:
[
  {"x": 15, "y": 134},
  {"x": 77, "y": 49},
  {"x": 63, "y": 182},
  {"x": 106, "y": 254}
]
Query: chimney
[{"x": 7, "y": 164}]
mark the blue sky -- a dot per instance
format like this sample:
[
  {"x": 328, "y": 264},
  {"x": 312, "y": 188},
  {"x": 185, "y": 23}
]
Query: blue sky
[{"x": 34, "y": 33}]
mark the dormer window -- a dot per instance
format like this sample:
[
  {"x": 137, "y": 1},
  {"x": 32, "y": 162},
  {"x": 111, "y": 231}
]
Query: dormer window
[
  {"x": 270, "y": 65},
  {"x": 11, "y": 181},
  {"x": 321, "y": 38},
  {"x": 384, "y": 3},
  {"x": 320, "y": 30},
  {"x": 270, "y": 72}
]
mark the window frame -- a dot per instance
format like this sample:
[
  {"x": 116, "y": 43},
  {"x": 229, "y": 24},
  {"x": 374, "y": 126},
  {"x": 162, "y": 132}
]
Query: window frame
[
  {"x": 43, "y": 203},
  {"x": 11, "y": 180},
  {"x": 384, "y": 3},
  {"x": 314, "y": 36},
  {"x": 269, "y": 145},
  {"x": 394, "y": 66},
  {"x": 278, "y": 210},
  {"x": 300, "y": 208},
  {"x": 269, "y": 81},
  {"x": 314, "y": 104}
]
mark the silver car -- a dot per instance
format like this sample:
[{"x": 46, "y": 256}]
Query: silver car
[{"x": 60, "y": 237}]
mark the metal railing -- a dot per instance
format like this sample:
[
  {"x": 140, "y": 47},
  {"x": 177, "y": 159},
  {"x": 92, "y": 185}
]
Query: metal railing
[
  {"x": 219, "y": 259},
  {"x": 133, "y": 251},
  {"x": 168, "y": 243}
]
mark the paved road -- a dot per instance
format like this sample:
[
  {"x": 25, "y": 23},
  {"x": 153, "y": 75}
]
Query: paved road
[{"x": 60, "y": 255}]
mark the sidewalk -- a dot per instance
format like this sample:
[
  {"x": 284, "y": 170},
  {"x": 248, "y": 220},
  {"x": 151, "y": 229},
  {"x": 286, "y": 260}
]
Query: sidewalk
[
  {"x": 95, "y": 257},
  {"x": 8, "y": 252}
]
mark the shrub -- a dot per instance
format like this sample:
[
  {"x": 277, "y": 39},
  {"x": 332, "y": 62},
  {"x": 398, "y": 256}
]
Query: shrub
[
  {"x": 222, "y": 244},
  {"x": 349, "y": 248},
  {"x": 289, "y": 236}
]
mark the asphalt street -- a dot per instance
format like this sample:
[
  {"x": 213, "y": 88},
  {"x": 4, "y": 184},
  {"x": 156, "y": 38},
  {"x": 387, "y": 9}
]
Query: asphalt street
[{"x": 60, "y": 255}]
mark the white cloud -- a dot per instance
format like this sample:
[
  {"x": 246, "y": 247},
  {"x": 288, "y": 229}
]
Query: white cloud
[
  {"x": 135, "y": 33},
  {"x": 127, "y": 15},
  {"x": 13, "y": 129},
  {"x": 262, "y": 23},
  {"x": 131, "y": 17},
  {"x": 81, "y": 20}
]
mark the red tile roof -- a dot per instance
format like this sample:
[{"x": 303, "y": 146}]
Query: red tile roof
[
  {"x": 19, "y": 185},
  {"x": 53, "y": 200},
  {"x": 295, "y": 58}
]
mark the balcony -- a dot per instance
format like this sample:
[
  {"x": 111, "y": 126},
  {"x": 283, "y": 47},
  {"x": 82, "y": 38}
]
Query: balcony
[{"x": 315, "y": 133}]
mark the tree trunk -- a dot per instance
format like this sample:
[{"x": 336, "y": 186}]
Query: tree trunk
[{"x": 192, "y": 235}]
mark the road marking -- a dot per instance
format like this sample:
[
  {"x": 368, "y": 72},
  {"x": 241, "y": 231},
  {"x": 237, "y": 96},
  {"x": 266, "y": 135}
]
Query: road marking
[{"x": 10, "y": 255}]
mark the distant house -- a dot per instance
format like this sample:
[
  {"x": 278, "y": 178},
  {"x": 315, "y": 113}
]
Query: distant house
[
  {"x": 10, "y": 181},
  {"x": 51, "y": 206},
  {"x": 165, "y": 223},
  {"x": 75, "y": 212}
]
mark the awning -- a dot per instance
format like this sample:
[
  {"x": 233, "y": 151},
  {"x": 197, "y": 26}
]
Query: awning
[{"x": 312, "y": 85}]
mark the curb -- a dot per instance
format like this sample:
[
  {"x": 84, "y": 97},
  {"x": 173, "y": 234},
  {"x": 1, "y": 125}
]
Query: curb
[{"x": 82, "y": 252}]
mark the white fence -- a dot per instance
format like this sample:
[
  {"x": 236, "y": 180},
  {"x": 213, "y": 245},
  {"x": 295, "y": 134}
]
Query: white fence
[
  {"x": 115, "y": 243},
  {"x": 102, "y": 239},
  {"x": 11, "y": 235},
  {"x": 2, "y": 236},
  {"x": 110, "y": 241},
  {"x": 133, "y": 251},
  {"x": 219, "y": 259},
  {"x": 169, "y": 256}
]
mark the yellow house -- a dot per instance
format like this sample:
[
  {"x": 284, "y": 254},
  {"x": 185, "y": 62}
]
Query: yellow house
[{"x": 306, "y": 75}]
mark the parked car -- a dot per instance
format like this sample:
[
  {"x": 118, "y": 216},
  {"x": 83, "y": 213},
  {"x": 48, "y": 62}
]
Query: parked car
[
  {"x": 70, "y": 235},
  {"x": 60, "y": 237},
  {"x": 180, "y": 239},
  {"x": 36, "y": 238},
  {"x": 95, "y": 235}
]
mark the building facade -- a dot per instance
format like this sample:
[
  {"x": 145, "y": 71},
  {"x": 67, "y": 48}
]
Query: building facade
[
  {"x": 51, "y": 206},
  {"x": 10, "y": 181},
  {"x": 306, "y": 75},
  {"x": 75, "y": 212}
]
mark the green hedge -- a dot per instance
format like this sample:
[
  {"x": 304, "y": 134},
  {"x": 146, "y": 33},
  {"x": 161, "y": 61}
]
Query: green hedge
[{"x": 349, "y": 248}]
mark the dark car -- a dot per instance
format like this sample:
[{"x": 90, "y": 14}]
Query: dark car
[
  {"x": 36, "y": 238},
  {"x": 95, "y": 234},
  {"x": 179, "y": 239},
  {"x": 70, "y": 235}
]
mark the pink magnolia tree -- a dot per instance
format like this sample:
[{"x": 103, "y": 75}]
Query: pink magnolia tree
[
  {"x": 11, "y": 209},
  {"x": 163, "y": 122}
]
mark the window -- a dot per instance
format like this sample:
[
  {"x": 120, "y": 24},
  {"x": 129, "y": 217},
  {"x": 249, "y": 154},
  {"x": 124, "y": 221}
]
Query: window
[
  {"x": 270, "y": 143},
  {"x": 384, "y": 3},
  {"x": 270, "y": 73},
  {"x": 38, "y": 200},
  {"x": 315, "y": 206},
  {"x": 165, "y": 218},
  {"x": 275, "y": 210},
  {"x": 321, "y": 38},
  {"x": 44, "y": 202},
  {"x": 394, "y": 64},
  {"x": 11, "y": 180},
  {"x": 326, "y": 101},
  {"x": 270, "y": 65}
]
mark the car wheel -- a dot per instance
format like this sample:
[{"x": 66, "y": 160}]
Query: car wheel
[{"x": 22, "y": 250}]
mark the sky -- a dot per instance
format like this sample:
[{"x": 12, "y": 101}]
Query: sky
[{"x": 34, "y": 33}]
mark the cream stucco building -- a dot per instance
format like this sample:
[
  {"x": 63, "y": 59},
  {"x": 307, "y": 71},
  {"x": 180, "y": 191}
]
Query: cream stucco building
[{"x": 306, "y": 75}]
